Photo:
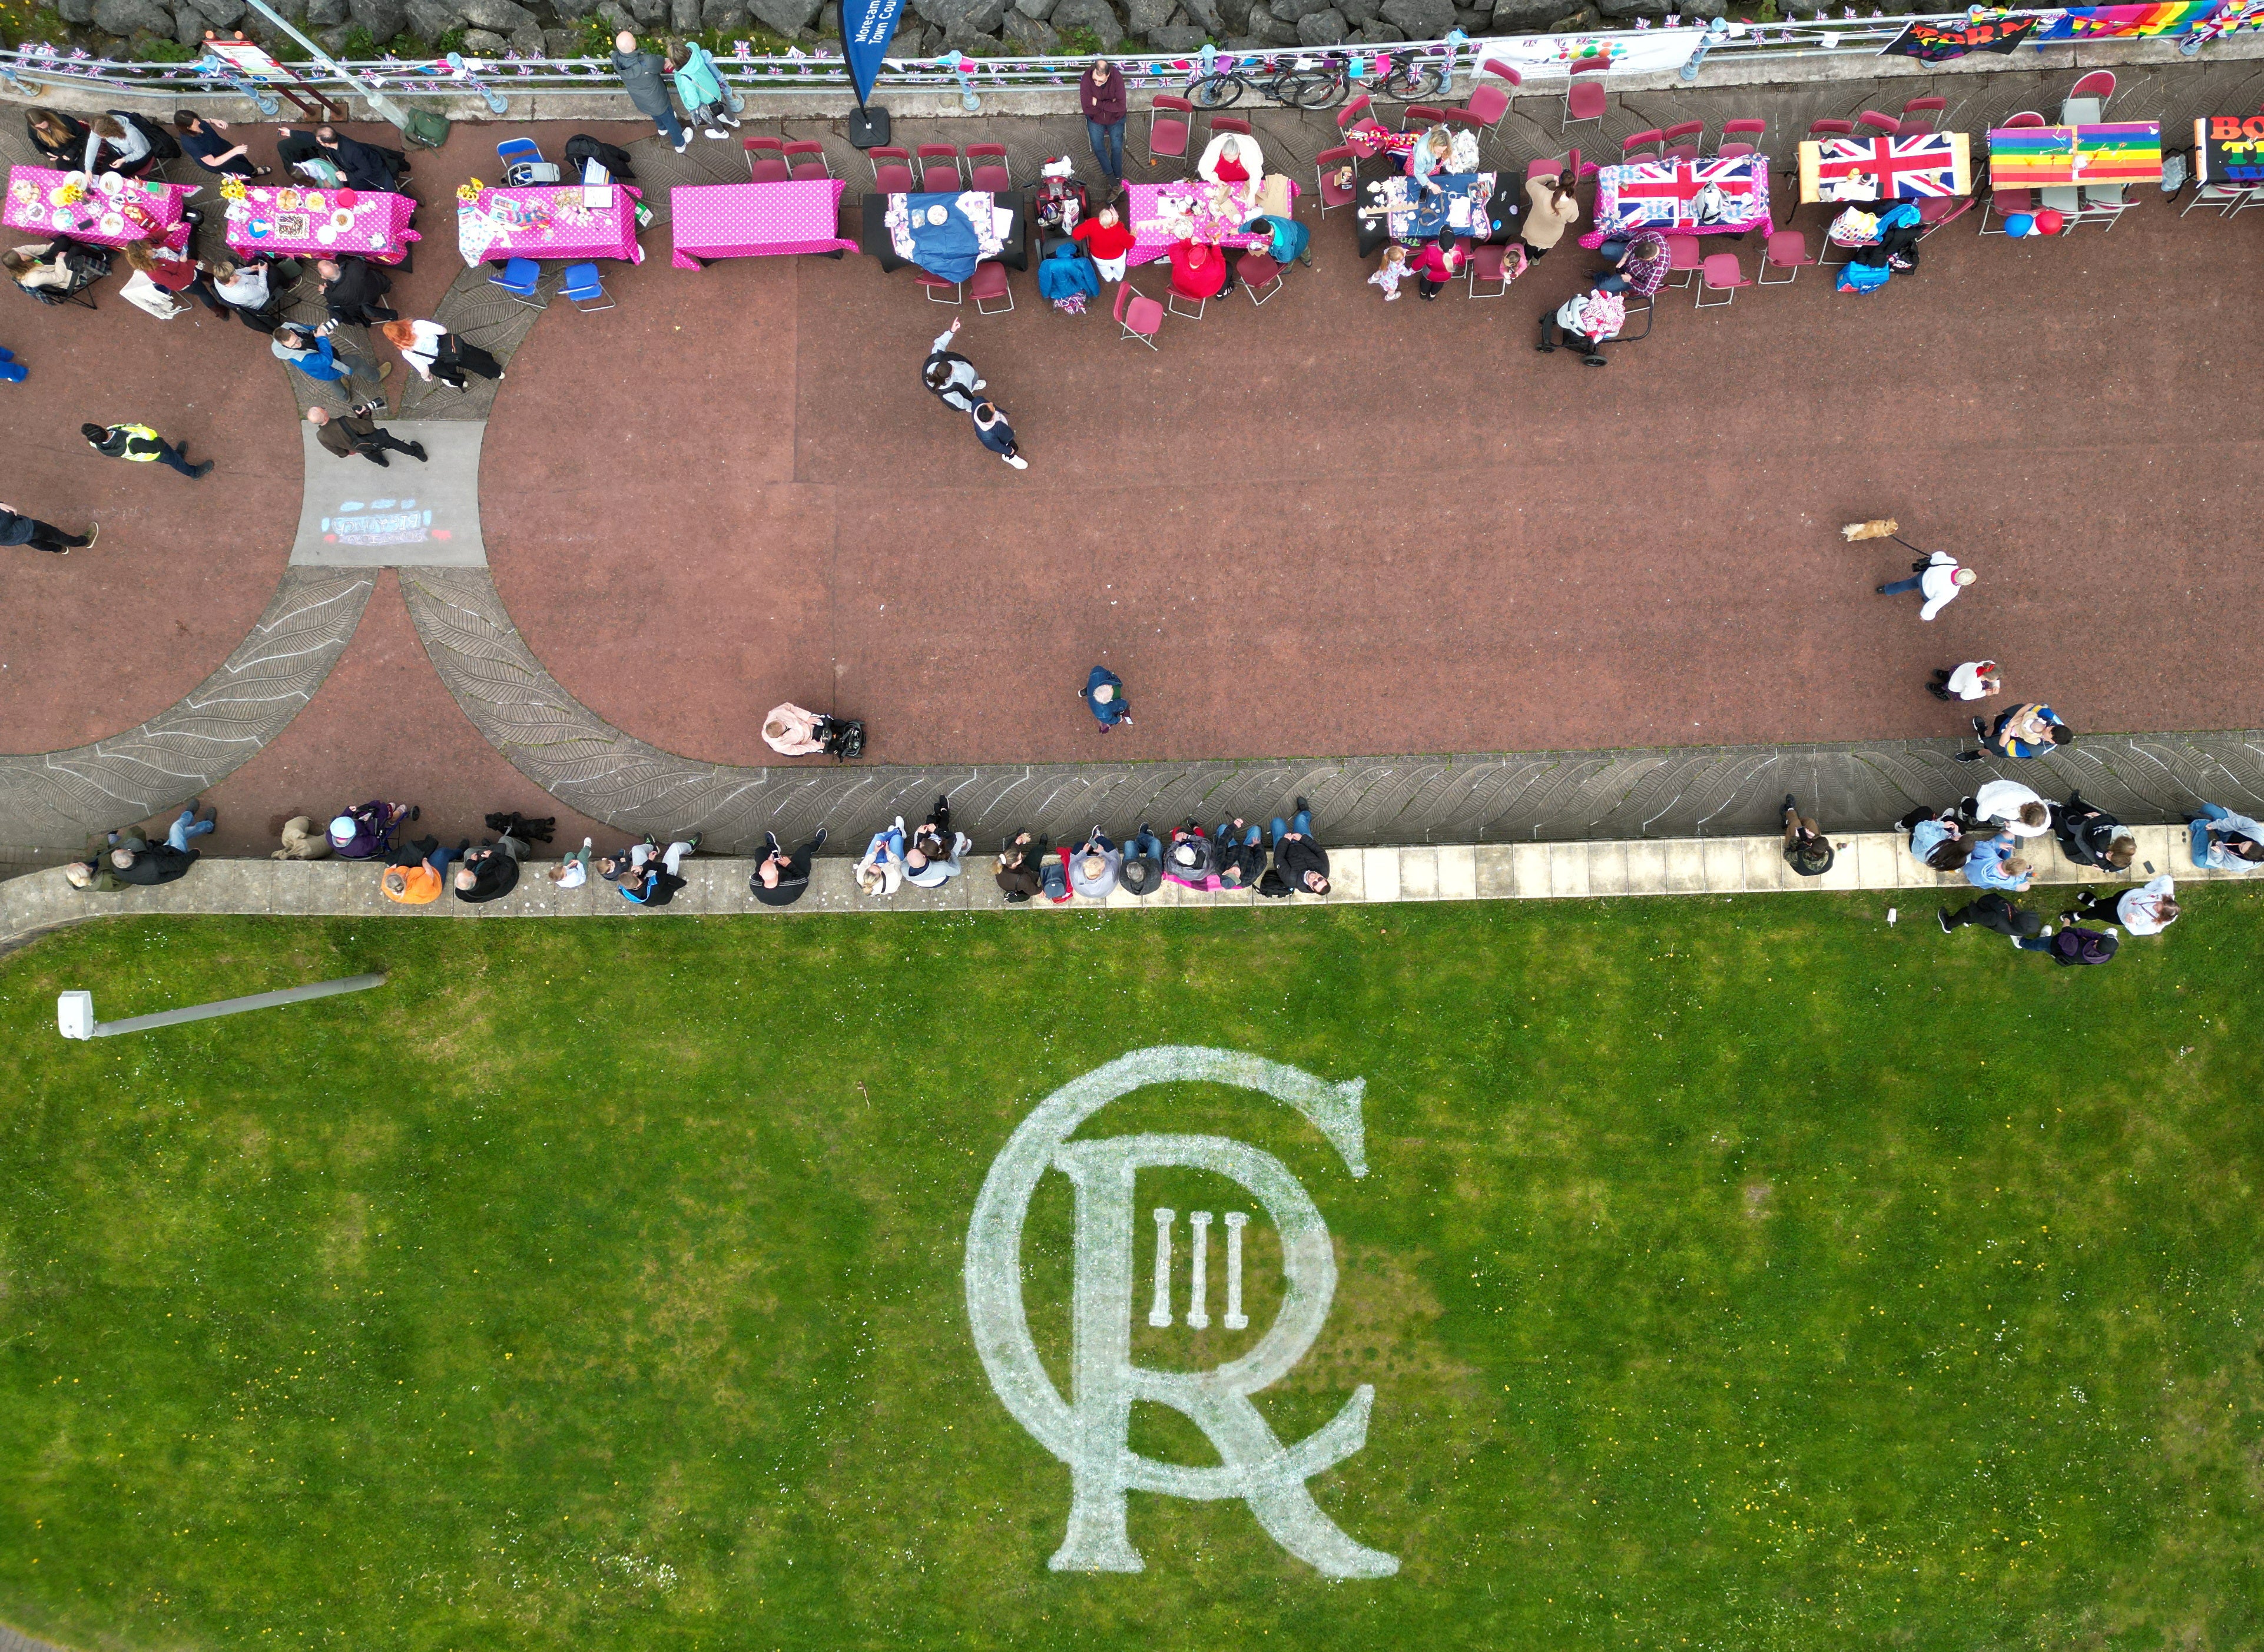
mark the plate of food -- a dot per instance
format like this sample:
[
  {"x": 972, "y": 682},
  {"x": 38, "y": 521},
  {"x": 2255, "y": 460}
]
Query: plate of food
[
  {"x": 341, "y": 219},
  {"x": 314, "y": 201},
  {"x": 24, "y": 191},
  {"x": 109, "y": 183},
  {"x": 287, "y": 199},
  {"x": 111, "y": 224}
]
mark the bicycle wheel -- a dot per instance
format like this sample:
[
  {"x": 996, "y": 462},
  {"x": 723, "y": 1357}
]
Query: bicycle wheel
[
  {"x": 1215, "y": 92},
  {"x": 1412, "y": 82},
  {"x": 1322, "y": 91}
]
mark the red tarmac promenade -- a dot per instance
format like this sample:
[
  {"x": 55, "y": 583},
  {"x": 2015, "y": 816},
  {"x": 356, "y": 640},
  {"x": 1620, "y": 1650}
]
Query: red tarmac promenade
[{"x": 1330, "y": 525}]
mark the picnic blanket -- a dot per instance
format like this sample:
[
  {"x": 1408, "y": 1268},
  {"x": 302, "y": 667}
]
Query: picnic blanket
[{"x": 969, "y": 233}]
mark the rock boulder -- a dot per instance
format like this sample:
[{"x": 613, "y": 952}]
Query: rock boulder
[
  {"x": 123, "y": 17},
  {"x": 1322, "y": 28},
  {"x": 1094, "y": 15}
]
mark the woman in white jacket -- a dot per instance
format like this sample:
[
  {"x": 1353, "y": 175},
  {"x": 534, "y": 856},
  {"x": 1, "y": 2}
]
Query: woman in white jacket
[{"x": 1236, "y": 154}]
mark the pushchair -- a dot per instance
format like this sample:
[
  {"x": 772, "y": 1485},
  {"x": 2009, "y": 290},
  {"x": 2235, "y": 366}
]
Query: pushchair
[{"x": 844, "y": 737}]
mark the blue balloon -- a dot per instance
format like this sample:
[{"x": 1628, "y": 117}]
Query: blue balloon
[{"x": 2020, "y": 224}]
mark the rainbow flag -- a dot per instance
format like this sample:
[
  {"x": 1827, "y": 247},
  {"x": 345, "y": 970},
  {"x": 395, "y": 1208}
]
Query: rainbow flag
[{"x": 2040, "y": 158}]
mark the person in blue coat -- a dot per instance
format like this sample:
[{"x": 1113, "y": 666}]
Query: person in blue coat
[
  {"x": 1292, "y": 241},
  {"x": 1103, "y": 695},
  {"x": 320, "y": 359},
  {"x": 1066, "y": 273}
]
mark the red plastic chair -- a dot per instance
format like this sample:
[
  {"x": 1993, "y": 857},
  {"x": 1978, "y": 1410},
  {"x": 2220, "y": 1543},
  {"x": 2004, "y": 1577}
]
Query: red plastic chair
[
  {"x": 769, "y": 171},
  {"x": 1143, "y": 318},
  {"x": 1352, "y": 112},
  {"x": 1234, "y": 123},
  {"x": 1741, "y": 137},
  {"x": 892, "y": 170},
  {"x": 1820, "y": 130},
  {"x": 2099, "y": 84},
  {"x": 936, "y": 284},
  {"x": 1464, "y": 118},
  {"x": 1876, "y": 121},
  {"x": 1654, "y": 140},
  {"x": 936, "y": 178},
  {"x": 2026, "y": 117},
  {"x": 1170, "y": 121},
  {"x": 1684, "y": 256},
  {"x": 2004, "y": 203},
  {"x": 1683, "y": 139},
  {"x": 1786, "y": 249},
  {"x": 1489, "y": 103},
  {"x": 1174, "y": 292},
  {"x": 1546, "y": 166},
  {"x": 1427, "y": 114},
  {"x": 1585, "y": 99},
  {"x": 813, "y": 162},
  {"x": 1492, "y": 261},
  {"x": 1937, "y": 212},
  {"x": 1325, "y": 165},
  {"x": 1720, "y": 274},
  {"x": 1920, "y": 113},
  {"x": 989, "y": 281},
  {"x": 759, "y": 149},
  {"x": 1258, "y": 275},
  {"x": 988, "y": 168}
]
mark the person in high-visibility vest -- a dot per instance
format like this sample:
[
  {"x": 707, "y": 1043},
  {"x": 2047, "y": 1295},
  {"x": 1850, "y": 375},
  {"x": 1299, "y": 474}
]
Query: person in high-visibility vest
[{"x": 141, "y": 445}]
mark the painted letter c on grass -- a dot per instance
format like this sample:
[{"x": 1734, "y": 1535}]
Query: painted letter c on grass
[{"x": 1092, "y": 1434}]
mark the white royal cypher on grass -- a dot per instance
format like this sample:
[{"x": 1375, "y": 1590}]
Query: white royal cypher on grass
[{"x": 1092, "y": 1434}]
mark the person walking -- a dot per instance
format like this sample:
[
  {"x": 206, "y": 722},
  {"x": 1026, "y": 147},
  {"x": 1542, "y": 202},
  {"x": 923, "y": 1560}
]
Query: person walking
[
  {"x": 1439, "y": 262},
  {"x": 641, "y": 73},
  {"x": 438, "y": 353},
  {"x": 700, "y": 88},
  {"x": 951, "y": 375},
  {"x": 1807, "y": 851},
  {"x": 1993, "y": 911},
  {"x": 993, "y": 431},
  {"x": 1939, "y": 578},
  {"x": 782, "y": 878},
  {"x": 138, "y": 444},
  {"x": 320, "y": 359},
  {"x": 2148, "y": 910},
  {"x": 1101, "y": 95},
  {"x": 1976, "y": 679},
  {"x": 346, "y": 434},
  {"x": 17, "y": 529},
  {"x": 1103, "y": 695},
  {"x": 1296, "y": 856}
]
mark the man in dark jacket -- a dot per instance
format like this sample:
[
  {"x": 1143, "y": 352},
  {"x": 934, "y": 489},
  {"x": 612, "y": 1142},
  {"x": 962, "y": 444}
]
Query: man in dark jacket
[
  {"x": 346, "y": 434},
  {"x": 1993, "y": 911},
  {"x": 642, "y": 75},
  {"x": 490, "y": 872},
  {"x": 1101, "y": 94},
  {"x": 151, "y": 864},
  {"x": 1300, "y": 860},
  {"x": 351, "y": 286},
  {"x": 142, "y": 446},
  {"x": 2091, "y": 836},
  {"x": 362, "y": 165},
  {"x": 782, "y": 878},
  {"x": 41, "y": 536}
]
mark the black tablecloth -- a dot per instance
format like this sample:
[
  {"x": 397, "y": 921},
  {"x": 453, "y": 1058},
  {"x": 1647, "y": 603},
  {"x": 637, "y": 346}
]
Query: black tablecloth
[
  {"x": 873, "y": 234},
  {"x": 1501, "y": 215}
]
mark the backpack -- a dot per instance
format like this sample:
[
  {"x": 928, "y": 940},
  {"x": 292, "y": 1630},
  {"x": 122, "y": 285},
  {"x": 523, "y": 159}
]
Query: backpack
[
  {"x": 2084, "y": 947},
  {"x": 1053, "y": 874},
  {"x": 1863, "y": 278},
  {"x": 1139, "y": 877},
  {"x": 1274, "y": 886}
]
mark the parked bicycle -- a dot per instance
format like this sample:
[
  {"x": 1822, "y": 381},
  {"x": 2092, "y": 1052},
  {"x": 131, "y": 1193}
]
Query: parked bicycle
[{"x": 1314, "y": 82}]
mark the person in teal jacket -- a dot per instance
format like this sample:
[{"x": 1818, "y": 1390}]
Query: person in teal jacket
[
  {"x": 1290, "y": 238},
  {"x": 700, "y": 88}
]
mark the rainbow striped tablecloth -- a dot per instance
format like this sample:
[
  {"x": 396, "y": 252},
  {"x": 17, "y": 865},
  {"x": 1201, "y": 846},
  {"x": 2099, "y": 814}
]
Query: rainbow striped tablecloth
[{"x": 2042, "y": 157}]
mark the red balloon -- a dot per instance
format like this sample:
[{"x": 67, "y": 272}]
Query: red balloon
[{"x": 2050, "y": 222}]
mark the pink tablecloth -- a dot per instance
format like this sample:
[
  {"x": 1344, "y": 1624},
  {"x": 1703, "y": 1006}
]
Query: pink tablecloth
[
  {"x": 548, "y": 221},
  {"x": 753, "y": 221},
  {"x": 1146, "y": 205},
  {"x": 101, "y": 217},
  {"x": 306, "y": 221},
  {"x": 1663, "y": 196}
]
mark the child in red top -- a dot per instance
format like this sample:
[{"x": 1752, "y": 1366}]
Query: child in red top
[
  {"x": 1439, "y": 262},
  {"x": 1107, "y": 240}
]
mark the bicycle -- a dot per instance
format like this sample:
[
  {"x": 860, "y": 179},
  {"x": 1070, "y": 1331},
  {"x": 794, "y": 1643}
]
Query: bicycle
[{"x": 1312, "y": 83}]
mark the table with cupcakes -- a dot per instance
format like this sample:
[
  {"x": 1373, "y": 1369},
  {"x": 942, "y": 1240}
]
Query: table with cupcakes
[
  {"x": 105, "y": 211},
  {"x": 307, "y": 221}
]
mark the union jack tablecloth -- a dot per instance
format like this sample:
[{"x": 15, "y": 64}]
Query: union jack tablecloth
[
  {"x": 307, "y": 221},
  {"x": 748, "y": 220},
  {"x": 549, "y": 221},
  {"x": 116, "y": 210},
  {"x": 1664, "y": 196},
  {"x": 1929, "y": 164}
]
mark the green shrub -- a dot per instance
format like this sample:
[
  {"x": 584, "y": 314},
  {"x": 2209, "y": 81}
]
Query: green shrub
[
  {"x": 154, "y": 50},
  {"x": 1079, "y": 42},
  {"x": 360, "y": 45}
]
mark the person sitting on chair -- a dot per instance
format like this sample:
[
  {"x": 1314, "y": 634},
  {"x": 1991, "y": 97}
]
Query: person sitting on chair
[
  {"x": 116, "y": 145},
  {"x": 207, "y": 142},
  {"x": 351, "y": 288},
  {"x": 360, "y": 165},
  {"x": 1199, "y": 270},
  {"x": 245, "y": 288},
  {"x": 59, "y": 137},
  {"x": 1230, "y": 158},
  {"x": 793, "y": 732},
  {"x": 59, "y": 267}
]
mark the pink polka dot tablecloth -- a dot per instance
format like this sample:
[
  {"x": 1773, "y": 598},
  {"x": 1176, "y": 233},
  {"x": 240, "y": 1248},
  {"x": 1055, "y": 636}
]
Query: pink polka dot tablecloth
[
  {"x": 551, "y": 220},
  {"x": 307, "y": 221},
  {"x": 115, "y": 210},
  {"x": 753, "y": 220}
]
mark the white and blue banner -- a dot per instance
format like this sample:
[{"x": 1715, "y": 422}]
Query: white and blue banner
[{"x": 867, "y": 26}]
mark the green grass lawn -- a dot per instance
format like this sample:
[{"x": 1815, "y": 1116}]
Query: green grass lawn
[{"x": 1730, "y": 1273}]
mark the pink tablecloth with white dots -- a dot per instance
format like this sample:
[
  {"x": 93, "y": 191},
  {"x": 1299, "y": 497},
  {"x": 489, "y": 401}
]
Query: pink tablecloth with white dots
[{"x": 751, "y": 221}]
